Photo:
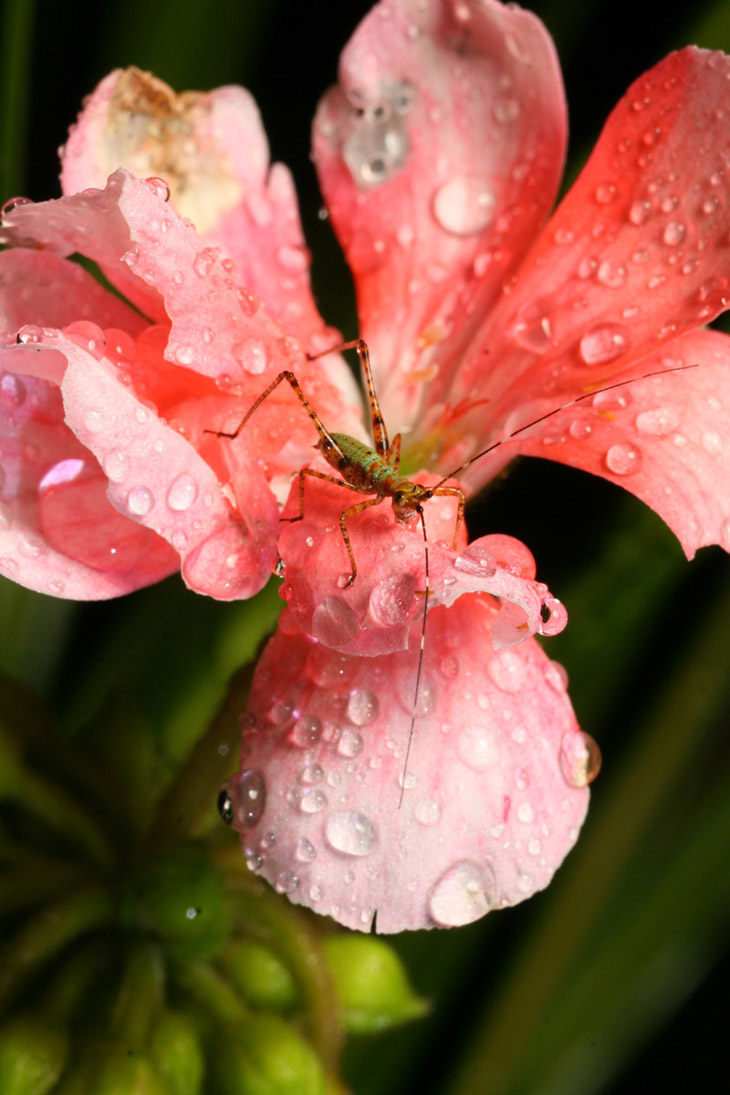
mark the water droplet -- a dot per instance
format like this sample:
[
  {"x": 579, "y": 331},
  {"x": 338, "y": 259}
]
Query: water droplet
[
  {"x": 116, "y": 465},
  {"x": 248, "y": 796},
  {"x": 464, "y": 205},
  {"x": 350, "y": 743},
  {"x": 477, "y": 747},
  {"x": 507, "y": 670},
  {"x": 29, "y": 333},
  {"x": 182, "y": 493},
  {"x": 391, "y": 599},
  {"x": 286, "y": 882},
  {"x": 378, "y": 144},
  {"x": 362, "y": 707},
  {"x": 611, "y": 274},
  {"x": 12, "y": 391},
  {"x": 351, "y": 833},
  {"x": 305, "y": 851},
  {"x": 449, "y": 666},
  {"x": 205, "y": 260},
  {"x": 579, "y": 758},
  {"x": 674, "y": 233},
  {"x": 12, "y": 204},
  {"x": 251, "y": 355},
  {"x": 427, "y": 811},
  {"x": 158, "y": 187},
  {"x": 606, "y": 193},
  {"x": 334, "y": 623},
  {"x": 463, "y": 894},
  {"x": 640, "y": 212},
  {"x": 604, "y": 343},
  {"x": 712, "y": 442},
  {"x": 140, "y": 501},
  {"x": 312, "y": 802},
  {"x": 525, "y": 813},
  {"x": 305, "y": 732},
  {"x": 506, "y": 109},
  {"x": 623, "y": 458},
  {"x": 313, "y": 773},
  {"x": 657, "y": 422}
]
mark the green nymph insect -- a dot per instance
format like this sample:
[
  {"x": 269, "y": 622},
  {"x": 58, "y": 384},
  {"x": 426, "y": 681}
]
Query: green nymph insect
[{"x": 375, "y": 470}]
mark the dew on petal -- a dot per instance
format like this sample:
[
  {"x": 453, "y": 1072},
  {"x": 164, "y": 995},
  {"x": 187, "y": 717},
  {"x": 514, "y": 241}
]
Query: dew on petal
[
  {"x": 334, "y": 623},
  {"x": 464, "y": 893},
  {"x": 391, "y": 599},
  {"x": 140, "y": 501},
  {"x": 312, "y": 802},
  {"x": 507, "y": 670},
  {"x": 116, "y": 465},
  {"x": 377, "y": 145},
  {"x": 465, "y": 205},
  {"x": 478, "y": 747},
  {"x": 305, "y": 851},
  {"x": 604, "y": 343},
  {"x": 182, "y": 493},
  {"x": 351, "y": 833},
  {"x": 674, "y": 233},
  {"x": 248, "y": 798},
  {"x": 251, "y": 355},
  {"x": 350, "y": 743},
  {"x": 427, "y": 811},
  {"x": 623, "y": 458},
  {"x": 579, "y": 758},
  {"x": 362, "y": 707},
  {"x": 305, "y": 732},
  {"x": 658, "y": 421}
]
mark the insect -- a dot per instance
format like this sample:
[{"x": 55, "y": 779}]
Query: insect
[{"x": 375, "y": 471}]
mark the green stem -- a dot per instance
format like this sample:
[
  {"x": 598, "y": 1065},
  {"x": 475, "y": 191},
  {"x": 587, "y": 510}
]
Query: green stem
[
  {"x": 264, "y": 916},
  {"x": 140, "y": 994}
]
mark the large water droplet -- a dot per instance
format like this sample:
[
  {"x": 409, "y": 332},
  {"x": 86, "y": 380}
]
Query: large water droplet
[
  {"x": 579, "y": 758},
  {"x": 251, "y": 355},
  {"x": 657, "y": 422},
  {"x": 140, "y": 501},
  {"x": 604, "y": 343},
  {"x": 182, "y": 493},
  {"x": 507, "y": 670},
  {"x": 305, "y": 732},
  {"x": 477, "y": 747},
  {"x": 362, "y": 707},
  {"x": 623, "y": 458},
  {"x": 674, "y": 233},
  {"x": 312, "y": 802},
  {"x": 351, "y": 833},
  {"x": 463, "y": 894},
  {"x": 248, "y": 797},
  {"x": 378, "y": 144},
  {"x": 334, "y": 623},
  {"x": 350, "y": 743},
  {"x": 464, "y": 205}
]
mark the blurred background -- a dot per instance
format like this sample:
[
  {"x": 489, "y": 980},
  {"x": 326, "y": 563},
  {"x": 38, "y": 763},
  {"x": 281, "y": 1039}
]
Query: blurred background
[{"x": 614, "y": 979}]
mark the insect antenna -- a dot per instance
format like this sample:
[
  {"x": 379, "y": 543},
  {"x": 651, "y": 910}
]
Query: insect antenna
[
  {"x": 557, "y": 410},
  {"x": 421, "y": 650}
]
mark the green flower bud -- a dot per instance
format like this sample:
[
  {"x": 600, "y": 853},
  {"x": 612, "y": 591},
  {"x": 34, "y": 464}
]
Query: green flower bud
[
  {"x": 181, "y": 898},
  {"x": 370, "y": 983},
  {"x": 32, "y": 1056},
  {"x": 260, "y": 976},
  {"x": 113, "y": 1070},
  {"x": 265, "y": 1056},
  {"x": 176, "y": 1050}
]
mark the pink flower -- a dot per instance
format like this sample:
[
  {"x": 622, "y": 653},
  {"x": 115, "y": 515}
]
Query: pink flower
[{"x": 439, "y": 156}]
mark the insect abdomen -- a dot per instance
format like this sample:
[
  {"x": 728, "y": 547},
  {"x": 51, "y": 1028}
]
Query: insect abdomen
[{"x": 359, "y": 465}]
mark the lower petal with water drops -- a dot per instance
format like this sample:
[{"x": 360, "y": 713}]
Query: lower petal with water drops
[{"x": 336, "y": 812}]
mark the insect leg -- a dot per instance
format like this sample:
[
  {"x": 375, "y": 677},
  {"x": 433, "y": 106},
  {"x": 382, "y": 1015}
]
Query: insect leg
[
  {"x": 393, "y": 453},
  {"x": 455, "y": 492},
  {"x": 292, "y": 380},
  {"x": 379, "y": 431},
  {"x": 314, "y": 474},
  {"x": 350, "y": 512}
]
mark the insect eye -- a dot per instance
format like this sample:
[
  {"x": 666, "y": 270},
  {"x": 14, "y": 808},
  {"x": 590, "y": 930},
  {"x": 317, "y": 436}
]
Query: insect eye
[{"x": 225, "y": 806}]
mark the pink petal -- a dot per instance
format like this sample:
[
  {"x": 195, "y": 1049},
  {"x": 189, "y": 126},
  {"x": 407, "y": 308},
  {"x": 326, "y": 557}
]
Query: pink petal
[
  {"x": 376, "y": 613},
  {"x": 439, "y": 157},
  {"x": 211, "y": 150},
  {"x": 492, "y": 799},
  {"x": 665, "y": 438},
  {"x": 40, "y": 288},
  {"x": 157, "y": 479},
  {"x": 636, "y": 254},
  {"x": 58, "y": 532}
]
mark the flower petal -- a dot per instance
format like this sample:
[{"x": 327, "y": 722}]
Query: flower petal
[
  {"x": 375, "y": 613},
  {"x": 38, "y": 287},
  {"x": 158, "y": 479},
  {"x": 58, "y": 532},
  {"x": 491, "y": 802},
  {"x": 211, "y": 150},
  {"x": 439, "y": 157},
  {"x": 664, "y": 438},
  {"x": 636, "y": 254}
]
